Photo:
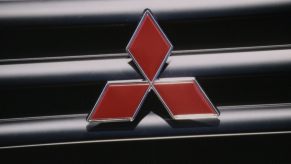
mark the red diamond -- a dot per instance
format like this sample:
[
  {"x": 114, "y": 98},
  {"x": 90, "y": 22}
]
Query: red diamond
[
  {"x": 185, "y": 99},
  {"x": 149, "y": 46},
  {"x": 119, "y": 101}
]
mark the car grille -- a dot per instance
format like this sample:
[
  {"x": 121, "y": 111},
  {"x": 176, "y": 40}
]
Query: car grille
[{"x": 56, "y": 57}]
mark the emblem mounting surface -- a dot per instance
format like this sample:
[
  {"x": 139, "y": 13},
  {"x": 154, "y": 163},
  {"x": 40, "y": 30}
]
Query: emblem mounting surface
[{"x": 149, "y": 48}]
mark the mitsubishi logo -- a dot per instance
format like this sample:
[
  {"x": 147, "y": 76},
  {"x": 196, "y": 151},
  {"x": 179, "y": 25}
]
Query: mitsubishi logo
[{"x": 149, "y": 48}]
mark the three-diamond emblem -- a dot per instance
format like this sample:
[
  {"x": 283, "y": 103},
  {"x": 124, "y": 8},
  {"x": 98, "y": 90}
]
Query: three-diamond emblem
[{"x": 149, "y": 48}]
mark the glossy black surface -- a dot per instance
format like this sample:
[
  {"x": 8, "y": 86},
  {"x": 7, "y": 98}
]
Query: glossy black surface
[
  {"x": 232, "y": 120},
  {"x": 71, "y": 28},
  {"x": 183, "y": 64},
  {"x": 87, "y": 40},
  {"x": 265, "y": 149},
  {"x": 65, "y": 99},
  {"x": 115, "y": 11}
]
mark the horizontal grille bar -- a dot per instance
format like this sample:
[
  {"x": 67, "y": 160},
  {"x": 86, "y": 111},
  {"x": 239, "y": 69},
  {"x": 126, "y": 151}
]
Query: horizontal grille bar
[
  {"x": 92, "y": 12},
  {"x": 233, "y": 120},
  {"x": 183, "y": 64}
]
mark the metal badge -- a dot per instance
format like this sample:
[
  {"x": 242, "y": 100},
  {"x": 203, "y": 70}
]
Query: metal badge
[{"x": 149, "y": 48}]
